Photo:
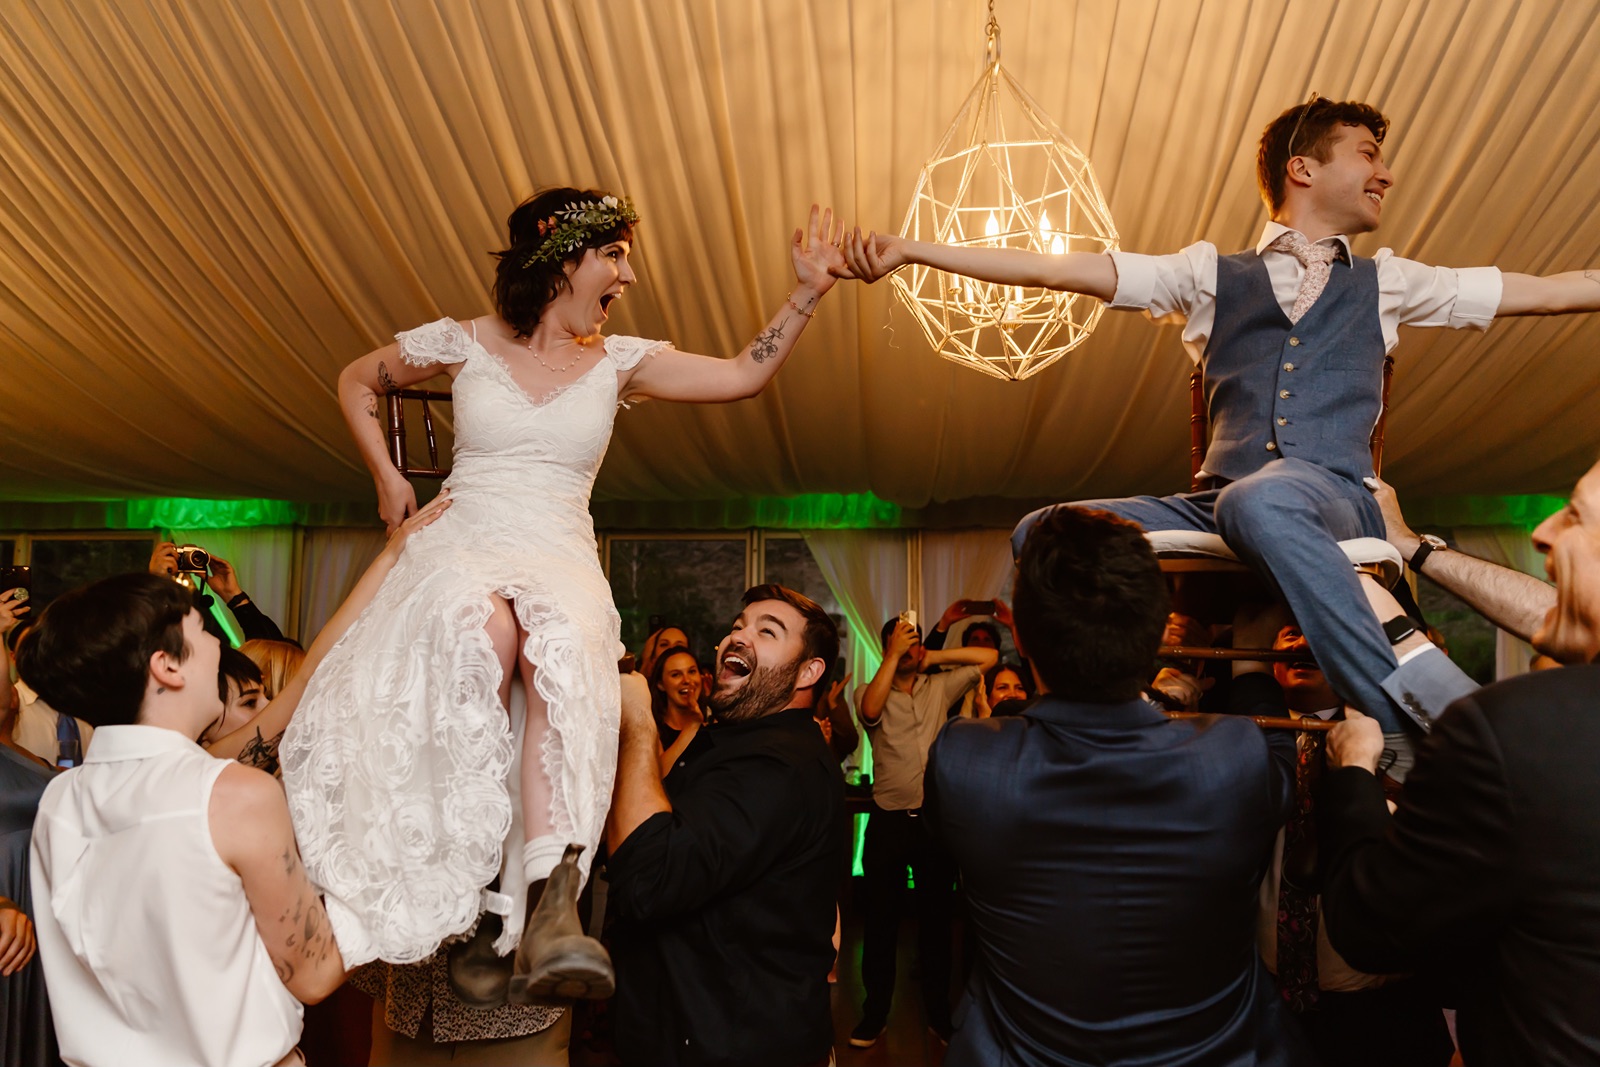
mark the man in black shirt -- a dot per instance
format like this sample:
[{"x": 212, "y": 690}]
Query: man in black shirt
[{"x": 723, "y": 875}]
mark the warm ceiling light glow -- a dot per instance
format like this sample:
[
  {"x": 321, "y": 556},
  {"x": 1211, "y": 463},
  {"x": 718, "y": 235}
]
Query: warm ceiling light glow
[{"x": 1006, "y": 163}]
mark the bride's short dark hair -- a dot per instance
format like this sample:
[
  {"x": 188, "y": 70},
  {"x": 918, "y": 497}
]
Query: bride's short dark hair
[{"x": 523, "y": 284}]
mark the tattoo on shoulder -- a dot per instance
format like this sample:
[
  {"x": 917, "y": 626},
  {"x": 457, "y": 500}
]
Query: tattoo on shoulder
[
  {"x": 386, "y": 380},
  {"x": 261, "y": 752},
  {"x": 765, "y": 346}
]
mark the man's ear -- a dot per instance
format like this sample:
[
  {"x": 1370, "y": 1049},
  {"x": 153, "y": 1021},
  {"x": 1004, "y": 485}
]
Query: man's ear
[
  {"x": 1298, "y": 170},
  {"x": 811, "y": 673},
  {"x": 166, "y": 670}
]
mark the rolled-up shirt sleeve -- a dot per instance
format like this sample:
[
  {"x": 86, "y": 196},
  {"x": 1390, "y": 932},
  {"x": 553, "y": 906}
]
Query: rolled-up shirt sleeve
[
  {"x": 1457, "y": 298},
  {"x": 1165, "y": 286}
]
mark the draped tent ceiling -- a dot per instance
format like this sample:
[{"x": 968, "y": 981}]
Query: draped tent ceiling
[{"x": 207, "y": 208}]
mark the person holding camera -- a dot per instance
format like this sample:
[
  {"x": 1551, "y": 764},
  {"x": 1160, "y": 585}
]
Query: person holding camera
[
  {"x": 902, "y": 709},
  {"x": 171, "y": 560}
]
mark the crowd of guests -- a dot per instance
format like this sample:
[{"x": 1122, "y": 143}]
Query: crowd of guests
[{"x": 1136, "y": 886}]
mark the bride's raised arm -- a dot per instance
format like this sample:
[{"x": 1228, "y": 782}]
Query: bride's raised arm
[{"x": 672, "y": 375}]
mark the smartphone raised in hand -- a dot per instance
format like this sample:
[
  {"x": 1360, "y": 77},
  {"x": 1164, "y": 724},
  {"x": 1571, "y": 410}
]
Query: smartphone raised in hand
[{"x": 978, "y": 607}]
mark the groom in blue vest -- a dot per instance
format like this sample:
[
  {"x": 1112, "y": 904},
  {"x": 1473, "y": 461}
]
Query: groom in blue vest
[{"x": 1291, "y": 335}]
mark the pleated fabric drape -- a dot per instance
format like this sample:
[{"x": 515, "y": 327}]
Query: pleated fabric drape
[{"x": 207, "y": 207}]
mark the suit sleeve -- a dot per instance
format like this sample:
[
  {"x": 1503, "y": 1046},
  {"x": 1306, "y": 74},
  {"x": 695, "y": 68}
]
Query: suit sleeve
[{"x": 1397, "y": 892}]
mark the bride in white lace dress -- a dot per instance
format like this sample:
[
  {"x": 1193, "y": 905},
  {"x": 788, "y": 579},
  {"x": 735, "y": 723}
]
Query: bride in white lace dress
[{"x": 401, "y": 764}]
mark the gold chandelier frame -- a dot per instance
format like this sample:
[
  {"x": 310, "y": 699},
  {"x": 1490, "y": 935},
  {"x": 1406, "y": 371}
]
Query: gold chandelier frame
[{"x": 1004, "y": 176}]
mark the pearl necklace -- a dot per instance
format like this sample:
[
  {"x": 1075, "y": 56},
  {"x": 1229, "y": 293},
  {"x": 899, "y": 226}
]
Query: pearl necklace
[{"x": 555, "y": 370}]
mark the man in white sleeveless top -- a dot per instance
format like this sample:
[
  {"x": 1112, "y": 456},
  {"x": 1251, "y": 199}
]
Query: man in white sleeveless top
[{"x": 175, "y": 921}]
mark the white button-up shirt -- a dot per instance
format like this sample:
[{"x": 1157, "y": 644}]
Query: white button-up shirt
[
  {"x": 150, "y": 950},
  {"x": 1182, "y": 287}
]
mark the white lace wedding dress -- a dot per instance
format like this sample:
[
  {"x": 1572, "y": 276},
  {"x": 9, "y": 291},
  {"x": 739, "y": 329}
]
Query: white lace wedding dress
[{"x": 396, "y": 763}]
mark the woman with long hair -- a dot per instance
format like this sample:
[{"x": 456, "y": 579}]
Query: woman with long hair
[
  {"x": 675, "y": 702},
  {"x": 399, "y": 764}
]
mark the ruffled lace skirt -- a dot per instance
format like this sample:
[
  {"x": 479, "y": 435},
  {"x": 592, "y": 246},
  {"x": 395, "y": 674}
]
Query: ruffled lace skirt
[{"x": 397, "y": 762}]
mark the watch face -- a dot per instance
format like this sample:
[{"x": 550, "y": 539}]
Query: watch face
[
  {"x": 1434, "y": 540},
  {"x": 1398, "y": 629}
]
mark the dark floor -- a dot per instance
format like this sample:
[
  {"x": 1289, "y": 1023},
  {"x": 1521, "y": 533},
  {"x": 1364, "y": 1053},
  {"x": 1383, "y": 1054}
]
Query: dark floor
[{"x": 907, "y": 1042}]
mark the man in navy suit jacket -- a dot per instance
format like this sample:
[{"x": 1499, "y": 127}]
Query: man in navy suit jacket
[{"x": 1111, "y": 856}]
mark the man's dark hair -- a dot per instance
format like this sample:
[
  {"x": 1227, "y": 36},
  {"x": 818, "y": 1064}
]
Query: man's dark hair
[
  {"x": 1090, "y": 605},
  {"x": 981, "y": 627},
  {"x": 819, "y": 639},
  {"x": 1308, "y": 130},
  {"x": 89, "y": 655}
]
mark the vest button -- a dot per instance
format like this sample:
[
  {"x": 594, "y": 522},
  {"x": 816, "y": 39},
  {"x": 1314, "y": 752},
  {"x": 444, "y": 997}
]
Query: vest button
[
  {"x": 1289, "y": 367},
  {"x": 1282, "y": 421},
  {"x": 1294, "y": 341},
  {"x": 1272, "y": 446},
  {"x": 1284, "y": 394}
]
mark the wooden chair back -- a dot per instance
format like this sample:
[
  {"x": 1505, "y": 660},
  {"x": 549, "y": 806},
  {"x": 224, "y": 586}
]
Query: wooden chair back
[{"x": 397, "y": 432}]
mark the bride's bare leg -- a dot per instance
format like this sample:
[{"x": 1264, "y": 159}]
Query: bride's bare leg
[
  {"x": 536, "y": 791},
  {"x": 556, "y": 961},
  {"x": 478, "y": 974}
]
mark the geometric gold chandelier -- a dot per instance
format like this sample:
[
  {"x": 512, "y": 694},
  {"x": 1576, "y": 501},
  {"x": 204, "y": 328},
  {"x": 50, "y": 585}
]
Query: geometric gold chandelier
[{"x": 1004, "y": 176}]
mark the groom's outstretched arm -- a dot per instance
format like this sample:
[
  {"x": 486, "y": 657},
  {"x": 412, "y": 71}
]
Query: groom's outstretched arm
[
  {"x": 876, "y": 254},
  {"x": 1555, "y": 294}
]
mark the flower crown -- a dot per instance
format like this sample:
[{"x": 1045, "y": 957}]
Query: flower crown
[{"x": 571, "y": 227}]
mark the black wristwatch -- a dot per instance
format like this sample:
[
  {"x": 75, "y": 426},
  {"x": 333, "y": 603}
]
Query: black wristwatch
[
  {"x": 1430, "y": 544},
  {"x": 1401, "y": 627}
]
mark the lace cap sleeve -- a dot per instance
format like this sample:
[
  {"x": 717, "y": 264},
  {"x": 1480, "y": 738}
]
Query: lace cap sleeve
[
  {"x": 627, "y": 352},
  {"x": 437, "y": 342}
]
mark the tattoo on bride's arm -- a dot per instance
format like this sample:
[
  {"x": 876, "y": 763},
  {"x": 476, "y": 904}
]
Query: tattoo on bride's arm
[
  {"x": 372, "y": 407},
  {"x": 386, "y": 380},
  {"x": 765, "y": 346}
]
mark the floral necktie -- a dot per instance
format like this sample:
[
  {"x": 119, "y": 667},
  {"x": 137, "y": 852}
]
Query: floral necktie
[{"x": 1316, "y": 259}]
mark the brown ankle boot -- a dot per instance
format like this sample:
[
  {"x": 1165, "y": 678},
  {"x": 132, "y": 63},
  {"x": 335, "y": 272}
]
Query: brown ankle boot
[
  {"x": 556, "y": 962},
  {"x": 478, "y": 975}
]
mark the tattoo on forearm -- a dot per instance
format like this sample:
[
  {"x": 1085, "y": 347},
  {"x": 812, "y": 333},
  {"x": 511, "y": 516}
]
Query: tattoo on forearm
[
  {"x": 372, "y": 407},
  {"x": 309, "y": 935},
  {"x": 765, "y": 346},
  {"x": 386, "y": 380},
  {"x": 261, "y": 752},
  {"x": 1593, "y": 276}
]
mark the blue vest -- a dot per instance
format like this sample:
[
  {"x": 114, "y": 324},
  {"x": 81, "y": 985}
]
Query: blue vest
[{"x": 1312, "y": 390}]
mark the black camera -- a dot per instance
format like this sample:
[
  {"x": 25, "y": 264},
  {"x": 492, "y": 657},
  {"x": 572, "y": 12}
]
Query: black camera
[{"x": 192, "y": 559}]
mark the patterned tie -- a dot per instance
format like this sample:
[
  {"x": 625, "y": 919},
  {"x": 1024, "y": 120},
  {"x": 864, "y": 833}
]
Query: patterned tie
[
  {"x": 1297, "y": 900},
  {"x": 1316, "y": 259}
]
